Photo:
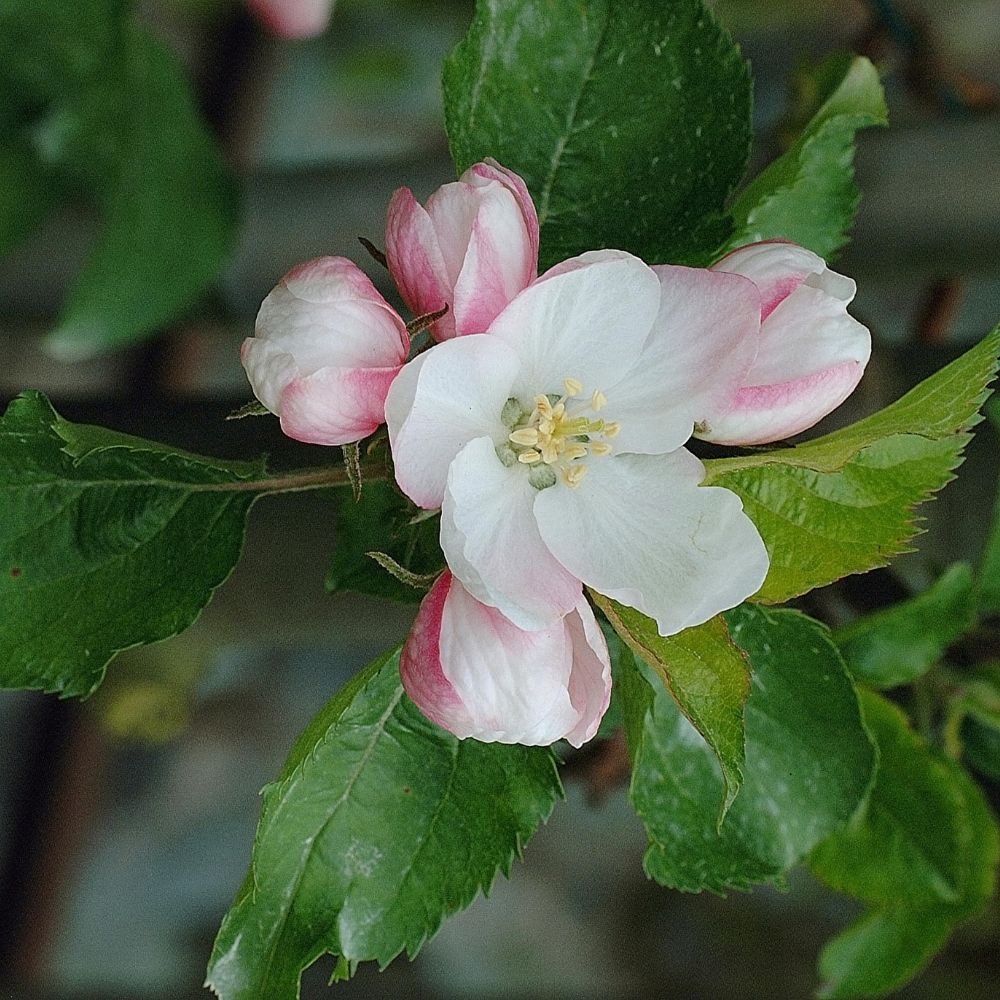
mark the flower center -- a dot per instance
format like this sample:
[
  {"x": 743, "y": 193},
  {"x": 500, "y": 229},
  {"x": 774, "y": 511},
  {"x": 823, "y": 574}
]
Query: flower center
[{"x": 555, "y": 437}]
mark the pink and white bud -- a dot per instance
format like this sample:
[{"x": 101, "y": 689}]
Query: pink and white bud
[
  {"x": 325, "y": 351},
  {"x": 476, "y": 674},
  {"x": 294, "y": 18},
  {"x": 473, "y": 248},
  {"x": 812, "y": 353}
]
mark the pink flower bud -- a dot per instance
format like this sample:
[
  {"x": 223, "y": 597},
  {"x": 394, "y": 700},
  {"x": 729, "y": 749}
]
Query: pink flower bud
[
  {"x": 811, "y": 356},
  {"x": 475, "y": 673},
  {"x": 294, "y": 18},
  {"x": 325, "y": 351},
  {"x": 473, "y": 248}
]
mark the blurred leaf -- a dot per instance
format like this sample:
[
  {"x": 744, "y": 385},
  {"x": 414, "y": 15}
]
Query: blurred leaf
[
  {"x": 380, "y": 826},
  {"x": 707, "y": 676},
  {"x": 809, "y": 761},
  {"x": 808, "y": 195},
  {"x": 922, "y": 856},
  {"x": 628, "y": 119},
  {"x": 27, "y": 192},
  {"x": 51, "y": 47},
  {"x": 981, "y": 746},
  {"x": 109, "y": 542},
  {"x": 843, "y": 503},
  {"x": 380, "y": 521},
  {"x": 170, "y": 212},
  {"x": 899, "y": 644},
  {"x": 977, "y": 705}
]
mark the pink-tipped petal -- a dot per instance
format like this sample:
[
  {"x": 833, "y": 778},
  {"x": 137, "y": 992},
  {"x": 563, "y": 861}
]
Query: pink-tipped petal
[
  {"x": 294, "y": 18},
  {"x": 777, "y": 268},
  {"x": 473, "y": 248},
  {"x": 491, "y": 540},
  {"x": 476, "y": 674},
  {"x": 641, "y": 530},
  {"x": 490, "y": 170},
  {"x": 336, "y": 406},
  {"x": 420, "y": 664},
  {"x": 498, "y": 263},
  {"x": 590, "y": 681},
  {"x": 441, "y": 401},
  {"x": 416, "y": 263}
]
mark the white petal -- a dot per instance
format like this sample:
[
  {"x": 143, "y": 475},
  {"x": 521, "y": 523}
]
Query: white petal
[
  {"x": 491, "y": 541},
  {"x": 439, "y": 402},
  {"x": 702, "y": 344},
  {"x": 641, "y": 530},
  {"x": 585, "y": 319}
]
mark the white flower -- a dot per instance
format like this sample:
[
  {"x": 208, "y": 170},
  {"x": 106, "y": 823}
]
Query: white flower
[{"x": 552, "y": 444}]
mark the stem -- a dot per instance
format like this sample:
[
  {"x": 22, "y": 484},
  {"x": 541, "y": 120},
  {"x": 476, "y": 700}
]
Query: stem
[{"x": 299, "y": 481}]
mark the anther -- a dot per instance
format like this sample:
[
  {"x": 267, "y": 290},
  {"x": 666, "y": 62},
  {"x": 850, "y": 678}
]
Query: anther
[
  {"x": 613, "y": 429},
  {"x": 574, "y": 474},
  {"x": 573, "y": 386},
  {"x": 529, "y": 457},
  {"x": 598, "y": 401},
  {"x": 527, "y": 436}
]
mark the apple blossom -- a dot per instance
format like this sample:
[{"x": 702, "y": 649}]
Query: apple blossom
[
  {"x": 294, "y": 18},
  {"x": 472, "y": 671},
  {"x": 812, "y": 354},
  {"x": 552, "y": 444},
  {"x": 325, "y": 351},
  {"x": 473, "y": 248}
]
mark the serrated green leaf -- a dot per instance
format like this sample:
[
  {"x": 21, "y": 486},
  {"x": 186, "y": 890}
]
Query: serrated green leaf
[
  {"x": 381, "y": 826},
  {"x": 170, "y": 206},
  {"x": 923, "y": 856},
  {"x": 628, "y": 119},
  {"x": 108, "y": 542},
  {"x": 899, "y": 644},
  {"x": 808, "y": 195},
  {"x": 707, "y": 676},
  {"x": 988, "y": 574},
  {"x": 843, "y": 503},
  {"x": 808, "y": 766},
  {"x": 381, "y": 521}
]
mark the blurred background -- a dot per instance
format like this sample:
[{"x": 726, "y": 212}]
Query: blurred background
[{"x": 126, "y": 822}]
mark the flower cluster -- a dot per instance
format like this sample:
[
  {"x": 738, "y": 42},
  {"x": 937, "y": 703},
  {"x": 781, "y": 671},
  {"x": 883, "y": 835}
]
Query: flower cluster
[{"x": 547, "y": 424}]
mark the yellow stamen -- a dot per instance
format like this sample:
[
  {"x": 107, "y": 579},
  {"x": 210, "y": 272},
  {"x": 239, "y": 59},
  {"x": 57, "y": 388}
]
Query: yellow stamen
[
  {"x": 574, "y": 475},
  {"x": 600, "y": 448},
  {"x": 576, "y": 451},
  {"x": 598, "y": 401},
  {"x": 527, "y": 436},
  {"x": 613, "y": 429},
  {"x": 573, "y": 387},
  {"x": 529, "y": 457}
]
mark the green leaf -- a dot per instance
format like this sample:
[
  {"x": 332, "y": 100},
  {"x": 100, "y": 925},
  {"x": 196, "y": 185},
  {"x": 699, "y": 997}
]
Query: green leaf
[
  {"x": 707, "y": 676},
  {"x": 843, "y": 503},
  {"x": 108, "y": 542},
  {"x": 809, "y": 761},
  {"x": 899, "y": 644},
  {"x": 988, "y": 576},
  {"x": 381, "y": 826},
  {"x": 27, "y": 192},
  {"x": 808, "y": 195},
  {"x": 382, "y": 521},
  {"x": 628, "y": 119},
  {"x": 48, "y": 47},
  {"x": 922, "y": 856},
  {"x": 170, "y": 210}
]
